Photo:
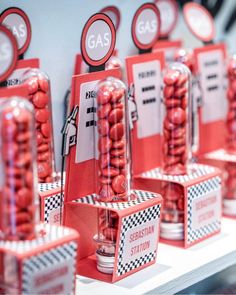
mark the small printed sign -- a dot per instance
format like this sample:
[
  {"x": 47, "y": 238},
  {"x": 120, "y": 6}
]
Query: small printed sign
[
  {"x": 146, "y": 26},
  {"x": 18, "y": 23},
  {"x": 199, "y": 21},
  {"x": 8, "y": 53},
  {"x": 98, "y": 40},
  {"x": 114, "y": 13},
  {"x": 169, "y": 16}
]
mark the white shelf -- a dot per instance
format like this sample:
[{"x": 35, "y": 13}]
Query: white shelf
[{"x": 175, "y": 269}]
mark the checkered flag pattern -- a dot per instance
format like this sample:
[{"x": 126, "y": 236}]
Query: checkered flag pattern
[
  {"x": 53, "y": 233},
  {"x": 221, "y": 155},
  {"x": 52, "y": 203},
  {"x": 196, "y": 171},
  {"x": 128, "y": 223},
  {"x": 195, "y": 192},
  {"x": 43, "y": 187},
  {"x": 142, "y": 196},
  {"x": 46, "y": 261}
]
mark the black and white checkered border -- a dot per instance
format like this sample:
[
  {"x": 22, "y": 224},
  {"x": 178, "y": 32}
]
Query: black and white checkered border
[
  {"x": 52, "y": 203},
  {"x": 142, "y": 196},
  {"x": 221, "y": 155},
  {"x": 37, "y": 264},
  {"x": 43, "y": 187},
  {"x": 53, "y": 233},
  {"x": 197, "y": 170},
  {"x": 194, "y": 192},
  {"x": 128, "y": 223}
]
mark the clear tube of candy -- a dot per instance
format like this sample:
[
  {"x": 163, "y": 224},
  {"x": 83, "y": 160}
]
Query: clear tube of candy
[
  {"x": 231, "y": 97},
  {"x": 112, "y": 164},
  {"x": 112, "y": 167},
  {"x": 18, "y": 187},
  {"x": 40, "y": 96},
  {"x": 186, "y": 57},
  {"x": 176, "y": 146},
  {"x": 176, "y": 127}
]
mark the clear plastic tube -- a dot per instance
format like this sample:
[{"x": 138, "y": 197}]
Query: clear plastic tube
[
  {"x": 177, "y": 117},
  {"x": 175, "y": 146},
  {"x": 40, "y": 96},
  {"x": 112, "y": 167},
  {"x": 18, "y": 185},
  {"x": 231, "y": 97}
]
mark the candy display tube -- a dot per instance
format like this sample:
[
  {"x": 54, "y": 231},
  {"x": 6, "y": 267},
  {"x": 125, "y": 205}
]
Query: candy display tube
[
  {"x": 175, "y": 146},
  {"x": 231, "y": 115},
  {"x": 18, "y": 170},
  {"x": 186, "y": 57},
  {"x": 39, "y": 90},
  {"x": 112, "y": 167}
]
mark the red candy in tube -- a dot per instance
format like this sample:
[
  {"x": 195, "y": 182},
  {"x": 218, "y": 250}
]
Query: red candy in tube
[
  {"x": 18, "y": 170},
  {"x": 39, "y": 90},
  {"x": 112, "y": 142}
]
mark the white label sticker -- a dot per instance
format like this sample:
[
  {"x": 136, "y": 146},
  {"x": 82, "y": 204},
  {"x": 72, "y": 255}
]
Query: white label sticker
[
  {"x": 140, "y": 240},
  {"x": 146, "y": 26},
  {"x": 168, "y": 15},
  {"x": 85, "y": 130},
  {"x": 56, "y": 279},
  {"x": 98, "y": 40},
  {"x": 16, "y": 24},
  {"x": 206, "y": 209},
  {"x": 212, "y": 71},
  {"x": 6, "y": 53},
  {"x": 147, "y": 81}
]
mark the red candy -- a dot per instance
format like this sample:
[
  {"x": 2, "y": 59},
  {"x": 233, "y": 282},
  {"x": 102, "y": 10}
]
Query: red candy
[
  {"x": 38, "y": 86},
  {"x": 175, "y": 142},
  {"x": 103, "y": 127},
  {"x": 112, "y": 163},
  {"x": 231, "y": 116},
  {"x": 119, "y": 184},
  {"x": 17, "y": 194},
  {"x": 40, "y": 99},
  {"x": 117, "y": 131}
]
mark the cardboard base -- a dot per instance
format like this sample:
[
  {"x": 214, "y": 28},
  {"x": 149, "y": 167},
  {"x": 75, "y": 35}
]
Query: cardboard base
[
  {"x": 138, "y": 225},
  {"x": 221, "y": 158},
  {"x": 202, "y": 198}
]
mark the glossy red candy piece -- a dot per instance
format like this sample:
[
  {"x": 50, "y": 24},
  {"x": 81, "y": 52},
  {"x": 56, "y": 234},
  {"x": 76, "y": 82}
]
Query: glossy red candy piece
[
  {"x": 115, "y": 116},
  {"x": 42, "y": 115},
  {"x": 40, "y": 99},
  {"x": 119, "y": 184},
  {"x": 117, "y": 131},
  {"x": 110, "y": 172},
  {"x": 106, "y": 193},
  {"x": 176, "y": 115},
  {"x": 103, "y": 97},
  {"x": 171, "y": 77},
  {"x": 104, "y": 110},
  {"x": 103, "y": 127},
  {"x": 104, "y": 144}
]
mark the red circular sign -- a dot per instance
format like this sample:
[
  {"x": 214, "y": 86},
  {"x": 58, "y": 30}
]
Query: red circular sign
[
  {"x": 169, "y": 16},
  {"x": 199, "y": 21},
  {"x": 98, "y": 40},
  {"x": 114, "y": 13},
  {"x": 146, "y": 26},
  {"x": 8, "y": 53},
  {"x": 18, "y": 23}
]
